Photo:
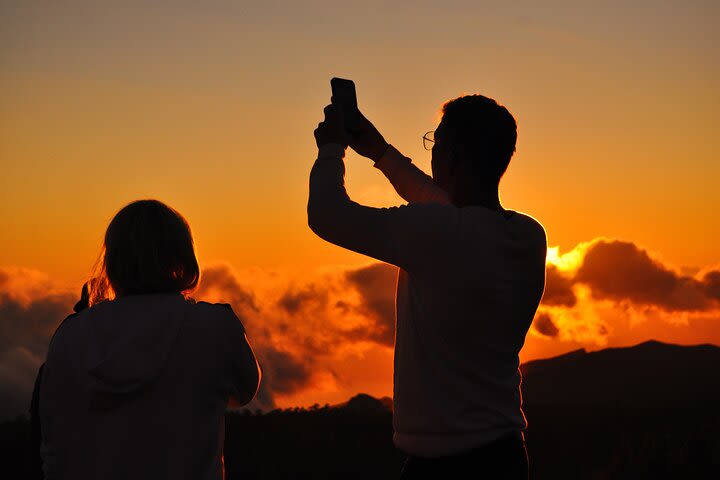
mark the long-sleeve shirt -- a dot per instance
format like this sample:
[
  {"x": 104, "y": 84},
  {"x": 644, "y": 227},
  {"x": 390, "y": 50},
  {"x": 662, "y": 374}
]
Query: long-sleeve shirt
[{"x": 469, "y": 284}]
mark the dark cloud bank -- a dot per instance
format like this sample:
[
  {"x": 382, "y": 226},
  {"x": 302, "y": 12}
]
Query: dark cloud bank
[
  {"x": 300, "y": 330},
  {"x": 623, "y": 273},
  {"x": 25, "y": 331}
]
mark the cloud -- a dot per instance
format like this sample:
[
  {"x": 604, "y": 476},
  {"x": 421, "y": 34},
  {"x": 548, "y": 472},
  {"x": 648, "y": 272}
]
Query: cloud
[
  {"x": 295, "y": 301},
  {"x": 30, "y": 311},
  {"x": 544, "y": 324},
  {"x": 283, "y": 373},
  {"x": 301, "y": 327},
  {"x": 711, "y": 284},
  {"x": 558, "y": 288},
  {"x": 30, "y": 325},
  {"x": 603, "y": 293},
  {"x": 18, "y": 369},
  {"x": 221, "y": 280},
  {"x": 290, "y": 373},
  {"x": 619, "y": 270},
  {"x": 614, "y": 293},
  {"x": 315, "y": 331},
  {"x": 376, "y": 285}
]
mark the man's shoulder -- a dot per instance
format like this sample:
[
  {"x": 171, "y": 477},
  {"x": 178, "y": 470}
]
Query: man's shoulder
[
  {"x": 427, "y": 213},
  {"x": 475, "y": 215},
  {"x": 532, "y": 228},
  {"x": 530, "y": 221}
]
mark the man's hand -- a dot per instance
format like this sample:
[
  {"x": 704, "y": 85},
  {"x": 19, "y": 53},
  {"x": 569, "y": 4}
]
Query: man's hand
[
  {"x": 332, "y": 129},
  {"x": 366, "y": 140}
]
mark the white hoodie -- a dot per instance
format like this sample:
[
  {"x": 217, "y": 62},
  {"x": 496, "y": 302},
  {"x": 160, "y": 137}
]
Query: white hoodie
[{"x": 137, "y": 388}]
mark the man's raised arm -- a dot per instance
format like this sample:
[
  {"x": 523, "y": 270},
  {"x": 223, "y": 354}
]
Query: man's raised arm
[
  {"x": 411, "y": 183},
  {"x": 404, "y": 236}
]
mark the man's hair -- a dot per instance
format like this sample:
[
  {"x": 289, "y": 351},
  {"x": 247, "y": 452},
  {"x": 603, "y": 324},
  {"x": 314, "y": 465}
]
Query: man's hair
[
  {"x": 148, "y": 248},
  {"x": 484, "y": 131}
]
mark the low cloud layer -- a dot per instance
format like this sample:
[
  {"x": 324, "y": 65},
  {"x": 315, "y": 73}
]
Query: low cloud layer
[
  {"x": 558, "y": 288},
  {"x": 301, "y": 327},
  {"x": 545, "y": 326},
  {"x": 621, "y": 271},
  {"x": 29, "y": 313},
  {"x": 613, "y": 292},
  {"x": 307, "y": 328}
]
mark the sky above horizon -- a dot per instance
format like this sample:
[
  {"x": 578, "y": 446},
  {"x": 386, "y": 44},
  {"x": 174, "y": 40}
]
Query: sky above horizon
[{"x": 211, "y": 107}]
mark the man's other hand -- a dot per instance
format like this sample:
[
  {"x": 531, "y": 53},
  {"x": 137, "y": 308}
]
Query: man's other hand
[
  {"x": 366, "y": 140},
  {"x": 332, "y": 129}
]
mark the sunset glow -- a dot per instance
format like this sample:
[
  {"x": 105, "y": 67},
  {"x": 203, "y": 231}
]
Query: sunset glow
[
  {"x": 212, "y": 110},
  {"x": 565, "y": 261}
]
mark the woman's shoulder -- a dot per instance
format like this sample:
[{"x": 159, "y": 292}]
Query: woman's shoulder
[
  {"x": 209, "y": 308},
  {"x": 64, "y": 330},
  {"x": 221, "y": 315}
]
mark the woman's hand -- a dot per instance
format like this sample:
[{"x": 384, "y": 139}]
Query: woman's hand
[{"x": 84, "y": 301}]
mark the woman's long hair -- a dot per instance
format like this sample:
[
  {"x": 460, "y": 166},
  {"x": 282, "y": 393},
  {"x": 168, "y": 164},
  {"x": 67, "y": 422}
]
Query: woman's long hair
[{"x": 148, "y": 248}]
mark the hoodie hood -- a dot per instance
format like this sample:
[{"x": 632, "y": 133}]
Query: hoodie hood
[{"x": 131, "y": 339}]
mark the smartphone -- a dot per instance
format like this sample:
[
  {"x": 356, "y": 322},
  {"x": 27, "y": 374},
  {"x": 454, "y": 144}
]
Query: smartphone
[{"x": 343, "y": 92}]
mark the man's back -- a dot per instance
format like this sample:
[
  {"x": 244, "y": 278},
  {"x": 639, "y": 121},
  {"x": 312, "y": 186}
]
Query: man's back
[
  {"x": 460, "y": 326},
  {"x": 471, "y": 279}
]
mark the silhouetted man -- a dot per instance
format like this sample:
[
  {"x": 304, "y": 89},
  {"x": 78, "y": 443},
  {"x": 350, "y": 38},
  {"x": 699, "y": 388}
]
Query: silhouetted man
[{"x": 471, "y": 277}]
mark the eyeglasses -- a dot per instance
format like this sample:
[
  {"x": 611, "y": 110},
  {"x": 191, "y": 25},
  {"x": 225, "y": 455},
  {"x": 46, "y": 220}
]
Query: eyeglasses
[{"x": 429, "y": 140}]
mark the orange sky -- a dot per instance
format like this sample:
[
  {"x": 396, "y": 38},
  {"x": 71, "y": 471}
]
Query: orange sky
[{"x": 211, "y": 109}]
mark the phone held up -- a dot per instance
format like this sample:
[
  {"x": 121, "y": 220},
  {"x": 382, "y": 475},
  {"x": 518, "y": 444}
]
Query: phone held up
[{"x": 344, "y": 96}]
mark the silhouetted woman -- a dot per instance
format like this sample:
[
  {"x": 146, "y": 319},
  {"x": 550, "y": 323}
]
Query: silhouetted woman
[{"x": 136, "y": 385}]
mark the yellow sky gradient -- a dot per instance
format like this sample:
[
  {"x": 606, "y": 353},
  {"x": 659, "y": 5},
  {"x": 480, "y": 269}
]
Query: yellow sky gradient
[{"x": 211, "y": 109}]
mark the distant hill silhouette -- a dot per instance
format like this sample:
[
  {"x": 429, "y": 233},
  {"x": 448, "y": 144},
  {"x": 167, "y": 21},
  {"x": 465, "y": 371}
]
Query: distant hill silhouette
[
  {"x": 651, "y": 374},
  {"x": 648, "y": 375},
  {"x": 364, "y": 403}
]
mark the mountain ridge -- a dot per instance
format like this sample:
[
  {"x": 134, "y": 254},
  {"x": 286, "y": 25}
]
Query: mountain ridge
[{"x": 651, "y": 374}]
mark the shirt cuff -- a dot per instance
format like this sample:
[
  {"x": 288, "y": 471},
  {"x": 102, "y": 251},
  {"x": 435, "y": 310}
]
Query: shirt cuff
[{"x": 331, "y": 150}]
